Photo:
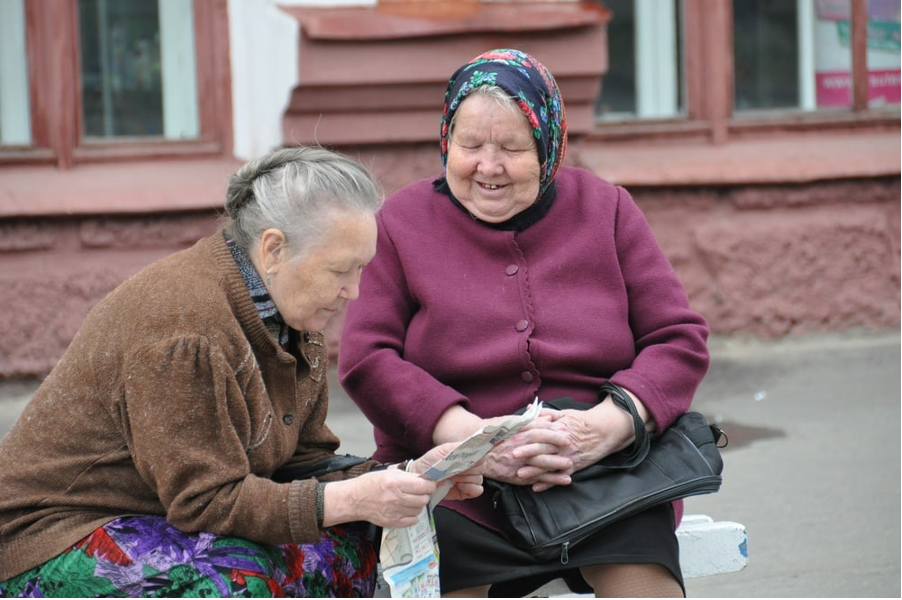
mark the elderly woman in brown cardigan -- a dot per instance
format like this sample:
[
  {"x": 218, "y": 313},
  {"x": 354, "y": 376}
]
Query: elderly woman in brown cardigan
[{"x": 156, "y": 458}]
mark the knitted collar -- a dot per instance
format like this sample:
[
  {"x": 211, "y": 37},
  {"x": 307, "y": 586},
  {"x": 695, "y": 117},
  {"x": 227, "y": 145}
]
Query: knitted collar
[{"x": 266, "y": 308}]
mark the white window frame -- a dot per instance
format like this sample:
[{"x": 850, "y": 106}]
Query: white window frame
[
  {"x": 181, "y": 119},
  {"x": 805, "y": 24},
  {"x": 656, "y": 55}
]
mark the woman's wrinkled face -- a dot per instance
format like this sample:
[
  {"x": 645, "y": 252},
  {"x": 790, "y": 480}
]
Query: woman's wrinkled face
[
  {"x": 492, "y": 165},
  {"x": 311, "y": 289}
]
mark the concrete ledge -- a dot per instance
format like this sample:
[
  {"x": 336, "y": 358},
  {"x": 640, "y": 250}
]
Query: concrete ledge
[
  {"x": 117, "y": 188},
  {"x": 404, "y": 19},
  {"x": 786, "y": 158}
]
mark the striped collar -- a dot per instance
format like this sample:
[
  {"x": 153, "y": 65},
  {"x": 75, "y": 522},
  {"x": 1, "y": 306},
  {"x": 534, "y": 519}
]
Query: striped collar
[{"x": 266, "y": 308}]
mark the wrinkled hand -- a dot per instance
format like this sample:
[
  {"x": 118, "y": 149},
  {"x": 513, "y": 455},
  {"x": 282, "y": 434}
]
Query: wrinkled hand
[
  {"x": 586, "y": 437},
  {"x": 530, "y": 456},
  {"x": 465, "y": 485},
  {"x": 389, "y": 498}
]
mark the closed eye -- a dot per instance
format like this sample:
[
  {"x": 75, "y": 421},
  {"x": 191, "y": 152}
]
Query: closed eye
[{"x": 359, "y": 269}]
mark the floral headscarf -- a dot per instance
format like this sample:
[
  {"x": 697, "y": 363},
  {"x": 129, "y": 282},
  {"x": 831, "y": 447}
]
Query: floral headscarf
[{"x": 535, "y": 91}]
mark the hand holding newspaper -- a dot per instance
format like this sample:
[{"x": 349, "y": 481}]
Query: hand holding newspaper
[{"x": 409, "y": 556}]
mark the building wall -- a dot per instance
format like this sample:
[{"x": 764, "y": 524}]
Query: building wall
[
  {"x": 784, "y": 259},
  {"x": 54, "y": 269},
  {"x": 757, "y": 260}
]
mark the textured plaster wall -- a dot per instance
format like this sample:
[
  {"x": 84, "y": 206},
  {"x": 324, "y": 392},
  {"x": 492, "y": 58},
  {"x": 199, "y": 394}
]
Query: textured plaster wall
[
  {"x": 780, "y": 260},
  {"x": 766, "y": 260},
  {"x": 53, "y": 270}
]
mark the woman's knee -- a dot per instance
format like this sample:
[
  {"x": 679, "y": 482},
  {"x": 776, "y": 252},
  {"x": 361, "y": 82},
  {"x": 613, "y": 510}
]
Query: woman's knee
[
  {"x": 649, "y": 580},
  {"x": 481, "y": 591}
]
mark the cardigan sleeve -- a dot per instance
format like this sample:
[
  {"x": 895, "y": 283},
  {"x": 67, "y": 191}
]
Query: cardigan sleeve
[
  {"x": 400, "y": 398},
  {"x": 670, "y": 338}
]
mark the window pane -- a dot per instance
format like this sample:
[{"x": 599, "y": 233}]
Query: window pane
[
  {"x": 138, "y": 72},
  {"x": 884, "y": 58},
  {"x": 618, "y": 85},
  {"x": 15, "y": 119},
  {"x": 644, "y": 75},
  {"x": 765, "y": 42},
  {"x": 797, "y": 55},
  {"x": 833, "y": 55}
]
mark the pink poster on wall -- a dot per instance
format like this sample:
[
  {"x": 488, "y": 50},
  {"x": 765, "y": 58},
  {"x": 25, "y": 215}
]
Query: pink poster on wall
[{"x": 833, "y": 56}]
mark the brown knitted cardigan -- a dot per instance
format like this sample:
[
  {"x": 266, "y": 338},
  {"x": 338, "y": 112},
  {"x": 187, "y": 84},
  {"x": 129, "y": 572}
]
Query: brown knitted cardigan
[{"x": 173, "y": 399}]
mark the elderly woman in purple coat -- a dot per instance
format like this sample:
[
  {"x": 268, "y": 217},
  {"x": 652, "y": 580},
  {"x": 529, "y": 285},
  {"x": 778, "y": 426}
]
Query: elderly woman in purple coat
[{"x": 507, "y": 277}]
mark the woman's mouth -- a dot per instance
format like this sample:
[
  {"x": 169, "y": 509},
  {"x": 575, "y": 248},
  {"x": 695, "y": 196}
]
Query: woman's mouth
[{"x": 490, "y": 186}]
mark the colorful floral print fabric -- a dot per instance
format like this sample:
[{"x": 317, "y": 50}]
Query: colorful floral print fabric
[
  {"x": 535, "y": 91},
  {"x": 144, "y": 556}
]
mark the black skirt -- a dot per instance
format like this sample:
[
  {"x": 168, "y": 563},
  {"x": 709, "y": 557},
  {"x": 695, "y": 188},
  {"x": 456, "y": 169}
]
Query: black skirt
[{"x": 472, "y": 555}]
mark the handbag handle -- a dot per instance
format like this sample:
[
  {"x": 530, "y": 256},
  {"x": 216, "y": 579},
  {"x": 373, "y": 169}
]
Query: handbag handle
[
  {"x": 337, "y": 462},
  {"x": 634, "y": 454}
]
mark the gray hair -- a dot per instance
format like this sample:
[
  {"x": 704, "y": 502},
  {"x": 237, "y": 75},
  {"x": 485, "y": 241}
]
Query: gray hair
[
  {"x": 296, "y": 190},
  {"x": 494, "y": 92}
]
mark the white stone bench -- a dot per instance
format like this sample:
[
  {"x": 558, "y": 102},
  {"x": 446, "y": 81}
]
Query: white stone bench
[{"x": 707, "y": 547}]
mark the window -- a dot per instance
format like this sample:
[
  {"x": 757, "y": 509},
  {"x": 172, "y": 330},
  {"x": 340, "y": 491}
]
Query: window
[
  {"x": 643, "y": 78},
  {"x": 831, "y": 77},
  {"x": 711, "y": 64},
  {"x": 765, "y": 54},
  {"x": 137, "y": 69},
  {"x": 797, "y": 55},
  {"x": 95, "y": 80}
]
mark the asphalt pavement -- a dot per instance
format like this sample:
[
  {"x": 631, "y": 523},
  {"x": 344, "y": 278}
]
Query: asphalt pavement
[{"x": 812, "y": 469}]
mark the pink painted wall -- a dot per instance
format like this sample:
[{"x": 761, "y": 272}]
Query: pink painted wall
[
  {"x": 781, "y": 260},
  {"x": 767, "y": 259},
  {"x": 53, "y": 270}
]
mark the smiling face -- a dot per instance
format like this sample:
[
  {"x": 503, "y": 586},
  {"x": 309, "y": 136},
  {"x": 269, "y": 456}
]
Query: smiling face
[
  {"x": 309, "y": 290},
  {"x": 493, "y": 164}
]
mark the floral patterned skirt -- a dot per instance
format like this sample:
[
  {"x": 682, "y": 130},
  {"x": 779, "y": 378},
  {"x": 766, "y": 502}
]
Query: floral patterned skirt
[{"x": 145, "y": 556}]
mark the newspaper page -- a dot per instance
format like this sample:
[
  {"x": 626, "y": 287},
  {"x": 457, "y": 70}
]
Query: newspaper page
[
  {"x": 409, "y": 555},
  {"x": 409, "y": 558}
]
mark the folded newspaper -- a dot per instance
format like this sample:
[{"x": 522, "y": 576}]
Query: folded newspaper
[{"x": 409, "y": 555}]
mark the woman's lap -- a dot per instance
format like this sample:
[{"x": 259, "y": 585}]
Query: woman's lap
[
  {"x": 146, "y": 556},
  {"x": 472, "y": 555}
]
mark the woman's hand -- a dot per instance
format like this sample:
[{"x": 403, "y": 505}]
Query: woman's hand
[
  {"x": 457, "y": 423},
  {"x": 530, "y": 456},
  {"x": 589, "y": 436},
  {"x": 389, "y": 498},
  {"x": 393, "y": 498}
]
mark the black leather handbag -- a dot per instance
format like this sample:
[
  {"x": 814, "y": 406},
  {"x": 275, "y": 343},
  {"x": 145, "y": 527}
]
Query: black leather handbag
[{"x": 683, "y": 461}]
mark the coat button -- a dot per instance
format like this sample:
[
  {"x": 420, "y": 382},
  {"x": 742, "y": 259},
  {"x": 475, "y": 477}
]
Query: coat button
[
  {"x": 522, "y": 325},
  {"x": 526, "y": 376},
  {"x": 288, "y": 419},
  {"x": 512, "y": 269}
]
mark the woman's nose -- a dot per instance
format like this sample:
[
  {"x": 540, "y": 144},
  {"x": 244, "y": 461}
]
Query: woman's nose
[
  {"x": 352, "y": 292},
  {"x": 351, "y": 289},
  {"x": 490, "y": 163}
]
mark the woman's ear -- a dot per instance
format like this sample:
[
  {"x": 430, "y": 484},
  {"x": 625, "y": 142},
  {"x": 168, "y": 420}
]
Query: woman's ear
[{"x": 272, "y": 243}]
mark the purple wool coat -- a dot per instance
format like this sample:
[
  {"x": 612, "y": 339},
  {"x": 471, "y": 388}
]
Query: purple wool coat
[{"x": 452, "y": 311}]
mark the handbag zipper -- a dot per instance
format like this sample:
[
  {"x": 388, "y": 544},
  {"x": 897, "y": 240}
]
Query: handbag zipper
[{"x": 565, "y": 553}]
